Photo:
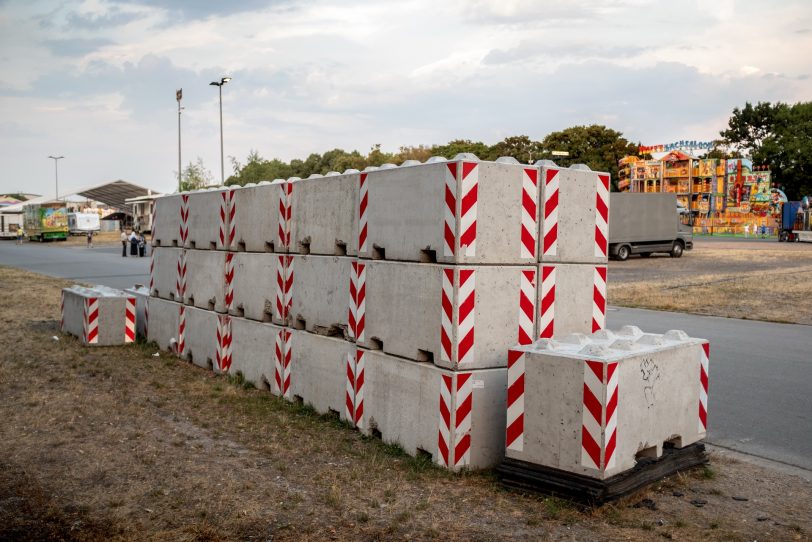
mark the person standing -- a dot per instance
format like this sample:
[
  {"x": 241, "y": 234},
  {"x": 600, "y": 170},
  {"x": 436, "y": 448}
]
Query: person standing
[
  {"x": 20, "y": 234},
  {"x": 746, "y": 231},
  {"x": 123, "y": 243},
  {"x": 133, "y": 244},
  {"x": 90, "y": 239}
]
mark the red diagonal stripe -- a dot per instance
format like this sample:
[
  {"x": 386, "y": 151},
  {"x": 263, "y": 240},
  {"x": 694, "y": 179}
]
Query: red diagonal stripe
[
  {"x": 548, "y": 300},
  {"x": 467, "y": 306},
  {"x": 604, "y": 180},
  {"x": 467, "y": 168},
  {"x": 600, "y": 240},
  {"x": 598, "y": 298},
  {"x": 515, "y": 429},
  {"x": 592, "y": 404},
  {"x": 526, "y": 306},
  {"x": 591, "y": 447},
  {"x": 601, "y": 207},
  {"x": 469, "y": 199},
  {"x": 546, "y": 270},
  {"x": 550, "y": 174},
  {"x": 465, "y": 344},
  {"x": 515, "y": 390},
  {"x": 532, "y": 174},
  {"x": 703, "y": 415},
  {"x": 706, "y": 348},
  {"x": 597, "y": 368},
  {"x": 703, "y": 378},
  {"x": 442, "y": 447},
  {"x": 462, "y": 447},
  {"x": 547, "y": 332},
  {"x": 528, "y": 241},
  {"x": 550, "y": 236},
  {"x": 611, "y": 406},
  {"x": 551, "y": 204},
  {"x": 610, "y": 447},
  {"x": 452, "y": 167},
  {"x": 513, "y": 356}
]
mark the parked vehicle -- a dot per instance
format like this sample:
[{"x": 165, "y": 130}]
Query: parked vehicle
[
  {"x": 802, "y": 229},
  {"x": 81, "y": 223},
  {"x": 9, "y": 224},
  {"x": 643, "y": 224},
  {"x": 46, "y": 221}
]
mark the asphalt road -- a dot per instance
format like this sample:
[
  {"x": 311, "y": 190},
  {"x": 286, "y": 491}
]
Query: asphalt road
[{"x": 760, "y": 399}]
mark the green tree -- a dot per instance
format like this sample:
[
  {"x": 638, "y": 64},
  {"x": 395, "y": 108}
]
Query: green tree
[
  {"x": 597, "y": 146},
  {"x": 456, "y": 146},
  {"x": 195, "y": 176},
  {"x": 749, "y": 126},
  {"x": 522, "y": 148}
]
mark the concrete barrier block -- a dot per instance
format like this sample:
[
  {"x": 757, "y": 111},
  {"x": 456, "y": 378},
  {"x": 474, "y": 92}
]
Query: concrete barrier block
[
  {"x": 205, "y": 279},
  {"x": 460, "y": 211},
  {"x": 596, "y": 404},
  {"x": 141, "y": 295},
  {"x": 258, "y": 224},
  {"x": 201, "y": 342},
  {"x": 164, "y": 323},
  {"x": 254, "y": 285},
  {"x": 253, "y": 351},
  {"x": 571, "y": 299},
  {"x": 204, "y": 219},
  {"x": 98, "y": 316},
  {"x": 165, "y": 272},
  {"x": 167, "y": 221},
  {"x": 458, "y": 317},
  {"x": 574, "y": 215},
  {"x": 320, "y": 297},
  {"x": 457, "y": 417},
  {"x": 318, "y": 371},
  {"x": 324, "y": 217}
]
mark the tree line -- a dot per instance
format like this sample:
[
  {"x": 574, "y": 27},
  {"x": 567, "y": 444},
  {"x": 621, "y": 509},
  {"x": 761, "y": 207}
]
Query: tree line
[{"x": 777, "y": 135}]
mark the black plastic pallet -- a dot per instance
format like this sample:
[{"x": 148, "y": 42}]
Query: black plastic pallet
[{"x": 525, "y": 476}]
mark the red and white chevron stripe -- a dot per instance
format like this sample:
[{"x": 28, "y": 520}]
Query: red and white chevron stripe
[
  {"x": 527, "y": 306},
  {"x": 466, "y": 312},
  {"x": 601, "y": 215},
  {"x": 358, "y": 293},
  {"x": 468, "y": 207},
  {"x": 704, "y": 358},
  {"x": 447, "y": 320},
  {"x": 450, "y": 227},
  {"x": 223, "y": 354},
  {"x": 184, "y": 218},
  {"x": 359, "y": 387},
  {"x": 285, "y": 213},
  {"x": 180, "y": 281},
  {"x": 547, "y": 304},
  {"x": 129, "y": 319},
  {"x": 62, "y": 312},
  {"x": 530, "y": 203},
  {"x": 599, "y": 299},
  {"x": 229, "y": 279},
  {"x": 599, "y": 429},
  {"x": 223, "y": 217},
  {"x": 550, "y": 214},
  {"x": 514, "y": 434},
  {"x": 284, "y": 286},
  {"x": 91, "y": 320},
  {"x": 228, "y": 213},
  {"x": 282, "y": 358},
  {"x": 444, "y": 434},
  {"x": 151, "y": 271},
  {"x": 349, "y": 397},
  {"x": 181, "y": 330},
  {"x": 462, "y": 419},
  {"x": 363, "y": 203}
]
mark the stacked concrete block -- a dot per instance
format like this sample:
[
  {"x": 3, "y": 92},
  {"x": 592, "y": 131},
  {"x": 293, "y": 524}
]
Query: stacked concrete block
[
  {"x": 254, "y": 285},
  {"x": 205, "y": 279},
  {"x": 164, "y": 327},
  {"x": 166, "y": 226},
  {"x": 201, "y": 344},
  {"x": 458, "y": 317},
  {"x": 259, "y": 217},
  {"x": 571, "y": 298},
  {"x": 208, "y": 219},
  {"x": 318, "y": 289},
  {"x": 141, "y": 295},
  {"x": 164, "y": 272},
  {"x": 596, "y": 404},
  {"x": 324, "y": 217},
  {"x": 459, "y": 211},
  {"x": 457, "y": 417},
  {"x": 254, "y": 351},
  {"x": 98, "y": 316}
]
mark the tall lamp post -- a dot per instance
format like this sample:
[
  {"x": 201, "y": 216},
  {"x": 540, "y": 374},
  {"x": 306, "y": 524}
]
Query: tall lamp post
[
  {"x": 219, "y": 84},
  {"x": 179, "y": 97},
  {"x": 56, "y": 172}
]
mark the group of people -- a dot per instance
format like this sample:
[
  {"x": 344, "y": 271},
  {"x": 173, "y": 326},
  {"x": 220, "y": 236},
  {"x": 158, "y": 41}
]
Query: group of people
[
  {"x": 755, "y": 230},
  {"x": 137, "y": 242}
]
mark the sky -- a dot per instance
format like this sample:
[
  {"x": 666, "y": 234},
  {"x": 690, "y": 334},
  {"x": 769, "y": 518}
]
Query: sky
[{"x": 94, "y": 81}]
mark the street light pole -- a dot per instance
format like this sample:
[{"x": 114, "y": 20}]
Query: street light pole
[
  {"x": 56, "y": 172},
  {"x": 179, "y": 97},
  {"x": 219, "y": 85}
]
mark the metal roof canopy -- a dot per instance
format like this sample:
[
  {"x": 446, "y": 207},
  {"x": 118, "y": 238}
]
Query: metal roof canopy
[{"x": 114, "y": 193}]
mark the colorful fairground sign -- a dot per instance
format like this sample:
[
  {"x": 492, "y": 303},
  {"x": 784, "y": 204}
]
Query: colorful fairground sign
[{"x": 677, "y": 145}]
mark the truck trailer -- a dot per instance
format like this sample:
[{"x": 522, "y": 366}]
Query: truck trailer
[
  {"x": 46, "y": 221},
  {"x": 802, "y": 228},
  {"x": 641, "y": 223},
  {"x": 81, "y": 223}
]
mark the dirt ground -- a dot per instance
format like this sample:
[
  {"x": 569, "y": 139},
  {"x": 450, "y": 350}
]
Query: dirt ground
[
  {"x": 106, "y": 238},
  {"x": 124, "y": 444},
  {"x": 756, "y": 280}
]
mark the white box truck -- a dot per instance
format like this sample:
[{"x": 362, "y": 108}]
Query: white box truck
[
  {"x": 642, "y": 224},
  {"x": 81, "y": 223}
]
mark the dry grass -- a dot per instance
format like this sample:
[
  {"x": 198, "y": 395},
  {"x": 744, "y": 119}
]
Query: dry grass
[
  {"x": 115, "y": 444},
  {"x": 764, "y": 283},
  {"x": 106, "y": 238}
]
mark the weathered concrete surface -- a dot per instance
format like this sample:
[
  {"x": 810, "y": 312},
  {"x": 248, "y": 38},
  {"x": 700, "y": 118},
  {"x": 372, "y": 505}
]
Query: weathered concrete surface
[
  {"x": 204, "y": 219},
  {"x": 319, "y": 371},
  {"x": 254, "y": 285},
  {"x": 408, "y": 213},
  {"x": 573, "y": 298},
  {"x": 166, "y": 222},
  {"x": 575, "y": 225},
  {"x": 256, "y": 217},
  {"x": 205, "y": 279},
  {"x": 321, "y": 293},
  {"x": 405, "y": 314},
  {"x": 165, "y": 272},
  {"x": 325, "y": 215},
  {"x": 253, "y": 345},
  {"x": 141, "y": 295},
  {"x": 402, "y": 402},
  {"x": 645, "y": 385},
  {"x": 201, "y": 338},
  {"x": 95, "y": 315},
  {"x": 163, "y": 322}
]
